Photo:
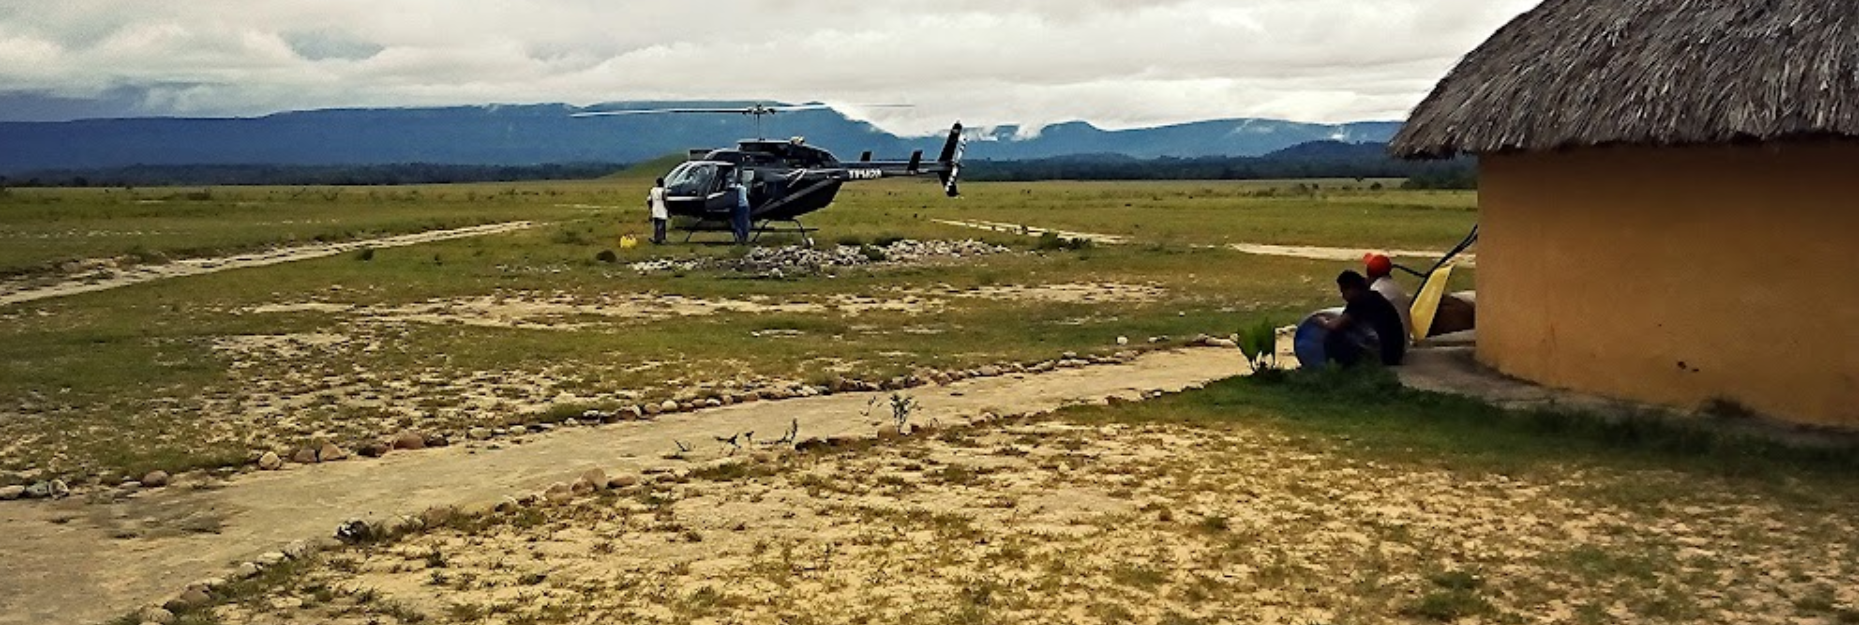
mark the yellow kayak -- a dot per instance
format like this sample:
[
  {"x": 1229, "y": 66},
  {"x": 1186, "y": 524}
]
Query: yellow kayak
[{"x": 1426, "y": 303}]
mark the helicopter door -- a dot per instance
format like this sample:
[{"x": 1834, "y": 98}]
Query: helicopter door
[{"x": 721, "y": 199}]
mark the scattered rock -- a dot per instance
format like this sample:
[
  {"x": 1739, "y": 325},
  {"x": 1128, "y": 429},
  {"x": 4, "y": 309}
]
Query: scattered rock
[
  {"x": 668, "y": 406},
  {"x": 409, "y": 441},
  {"x": 270, "y": 461},
  {"x": 52, "y": 489},
  {"x": 654, "y": 409},
  {"x": 155, "y": 479},
  {"x": 297, "y": 549},
  {"x": 157, "y": 615},
  {"x": 989, "y": 371},
  {"x": 622, "y": 481},
  {"x": 331, "y": 453},
  {"x": 437, "y": 440},
  {"x": 478, "y": 434},
  {"x": 10, "y": 493},
  {"x": 376, "y": 449},
  {"x": 270, "y": 559},
  {"x": 356, "y": 531},
  {"x": 437, "y": 516},
  {"x": 558, "y": 493},
  {"x": 779, "y": 262},
  {"x": 245, "y": 570},
  {"x": 582, "y": 487},
  {"x": 190, "y": 599},
  {"x": 595, "y": 477},
  {"x": 508, "y": 504},
  {"x": 1123, "y": 340},
  {"x": 304, "y": 456}
]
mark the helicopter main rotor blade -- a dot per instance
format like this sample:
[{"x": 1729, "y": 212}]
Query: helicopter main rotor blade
[
  {"x": 796, "y": 107},
  {"x": 660, "y": 112}
]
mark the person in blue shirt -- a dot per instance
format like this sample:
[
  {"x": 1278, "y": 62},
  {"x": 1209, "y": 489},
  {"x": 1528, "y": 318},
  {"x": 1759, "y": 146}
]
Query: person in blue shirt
[{"x": 739, "y": 218}]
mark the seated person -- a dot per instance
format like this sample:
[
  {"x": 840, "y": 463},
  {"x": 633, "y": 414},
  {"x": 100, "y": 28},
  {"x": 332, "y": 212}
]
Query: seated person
[
  {"x": 1381, "y": 277},
  {"x": 1368, "y": 325}
]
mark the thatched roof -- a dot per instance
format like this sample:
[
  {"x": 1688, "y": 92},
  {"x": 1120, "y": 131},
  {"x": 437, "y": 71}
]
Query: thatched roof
[{"x": 1666, "y": 72}]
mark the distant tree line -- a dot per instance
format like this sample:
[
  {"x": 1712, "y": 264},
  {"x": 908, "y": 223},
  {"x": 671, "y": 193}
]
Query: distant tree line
[
  {"x": 296, "y": 175},
  {"x": 1325, "y": 159}
]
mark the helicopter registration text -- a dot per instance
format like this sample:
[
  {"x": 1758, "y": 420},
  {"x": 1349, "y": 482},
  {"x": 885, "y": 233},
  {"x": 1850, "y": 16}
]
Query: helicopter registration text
[{"x": 864, "y": 174}]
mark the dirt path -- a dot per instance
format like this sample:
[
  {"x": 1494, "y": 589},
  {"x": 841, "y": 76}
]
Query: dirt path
[
  {"x": 69, "y": 562},
  {"x": 1257, "y": 249},
  {"x": 15, "y": 293}
]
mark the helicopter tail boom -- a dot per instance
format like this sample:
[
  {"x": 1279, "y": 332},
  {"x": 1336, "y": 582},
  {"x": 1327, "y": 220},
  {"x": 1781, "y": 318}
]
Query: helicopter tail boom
[{"x": 947, "y": 167}]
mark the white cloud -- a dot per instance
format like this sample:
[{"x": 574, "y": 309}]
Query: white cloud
[{"x": 1115, "y": 62}]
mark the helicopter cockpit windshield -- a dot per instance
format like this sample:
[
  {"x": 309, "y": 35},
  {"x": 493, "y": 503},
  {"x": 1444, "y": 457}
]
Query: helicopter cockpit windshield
[{"x": 695, "y": 179}]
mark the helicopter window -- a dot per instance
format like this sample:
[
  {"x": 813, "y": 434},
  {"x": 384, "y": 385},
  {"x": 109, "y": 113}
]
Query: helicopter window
[{"x": 692, "y": 179}]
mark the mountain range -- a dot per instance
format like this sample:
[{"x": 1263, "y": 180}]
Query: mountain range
[{"x": 546, "y": 133}]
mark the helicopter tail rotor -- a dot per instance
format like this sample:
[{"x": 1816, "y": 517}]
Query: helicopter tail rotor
[{"x": 951, "y": 161}]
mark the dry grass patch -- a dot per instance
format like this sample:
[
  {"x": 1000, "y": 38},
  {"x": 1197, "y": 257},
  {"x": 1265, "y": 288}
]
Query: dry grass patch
[{"x": 1102, "y": 523}]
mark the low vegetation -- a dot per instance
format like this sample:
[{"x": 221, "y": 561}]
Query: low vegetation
[{"x": 1207, "y": 506}]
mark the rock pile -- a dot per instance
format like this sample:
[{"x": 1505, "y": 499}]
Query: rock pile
[{"x": 790, "y": 259}]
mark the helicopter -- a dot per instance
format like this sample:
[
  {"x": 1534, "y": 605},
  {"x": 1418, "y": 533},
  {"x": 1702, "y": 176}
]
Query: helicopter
[{"x": 787, "y": 179}]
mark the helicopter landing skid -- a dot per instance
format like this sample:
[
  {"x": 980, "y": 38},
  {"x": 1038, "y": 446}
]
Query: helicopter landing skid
[
  {"x": 757, "y": 230},
  {"x": 765, "y": 227}
]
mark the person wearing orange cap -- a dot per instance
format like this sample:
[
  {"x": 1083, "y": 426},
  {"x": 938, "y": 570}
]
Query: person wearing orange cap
[{"x": 1381, "y": 276}]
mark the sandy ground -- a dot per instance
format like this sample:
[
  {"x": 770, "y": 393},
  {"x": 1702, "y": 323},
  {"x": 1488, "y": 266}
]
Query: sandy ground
[
  {"x": 567, "y": 312},
  {"x": 78, "y": 562},
  {"x": 107, "y": 277},
  {"x": 1257, "y": 249},
  {"x": 1055, "y": 522}
]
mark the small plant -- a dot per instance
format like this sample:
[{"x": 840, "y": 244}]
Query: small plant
[
  {"x": 366, "y": 254},
  {"x": 435, "y": 559},
  {"x": 1052, "y": 242},
  {"x": 1456, "y": 597},
  {"x": 607, "y": 256},
  {"x": 682, "y": 450},
  {"x": 1260, "y": 345},
  {"x": 571, "y": 236},
  {"x": 901, "y": 407}
]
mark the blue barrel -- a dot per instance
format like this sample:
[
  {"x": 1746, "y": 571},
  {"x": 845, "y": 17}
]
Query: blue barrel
[{"x": 1308, "y": 342}]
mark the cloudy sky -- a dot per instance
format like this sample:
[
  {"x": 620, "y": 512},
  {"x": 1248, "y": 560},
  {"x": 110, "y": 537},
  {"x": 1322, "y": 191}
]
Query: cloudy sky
[{"x": 1118, "y": 63}]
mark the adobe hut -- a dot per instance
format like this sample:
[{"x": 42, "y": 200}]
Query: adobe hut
[{"x": 1669, "y": 199}]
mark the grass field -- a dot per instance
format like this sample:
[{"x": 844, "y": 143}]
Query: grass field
[
  {"x": 205, "y": 370},
  {"x": 1304, "y": 499}
]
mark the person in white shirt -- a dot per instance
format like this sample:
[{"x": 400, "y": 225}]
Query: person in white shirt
[
  {"x": 655, "y": 199},
  {"x": 1381, "y": 276}
]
